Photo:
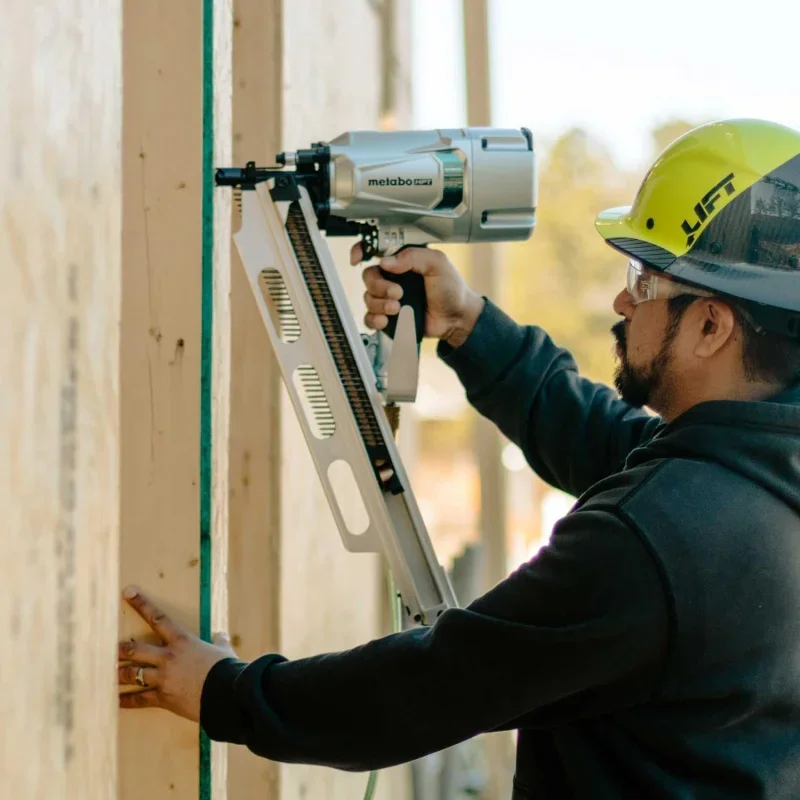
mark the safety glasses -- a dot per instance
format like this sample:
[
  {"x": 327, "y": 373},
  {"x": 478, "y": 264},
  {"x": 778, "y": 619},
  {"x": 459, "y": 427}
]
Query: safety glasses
[{"x": 643, "y": 285}]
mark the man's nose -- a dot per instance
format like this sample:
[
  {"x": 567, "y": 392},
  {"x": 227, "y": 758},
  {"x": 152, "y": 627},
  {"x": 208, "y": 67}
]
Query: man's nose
[{"x": 623, "y": 304}]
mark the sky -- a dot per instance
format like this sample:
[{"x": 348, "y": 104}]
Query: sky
[{"x": 615, "y": 68}]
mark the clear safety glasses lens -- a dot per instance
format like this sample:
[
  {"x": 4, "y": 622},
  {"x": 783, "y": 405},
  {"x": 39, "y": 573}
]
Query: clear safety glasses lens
[
  {"x": 644, "y": 286},
  {"x": 638, "y": 282}
]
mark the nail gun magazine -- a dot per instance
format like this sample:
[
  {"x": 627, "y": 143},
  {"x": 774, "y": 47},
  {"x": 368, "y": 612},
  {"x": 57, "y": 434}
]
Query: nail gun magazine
[{"x": 393, "y": 189}]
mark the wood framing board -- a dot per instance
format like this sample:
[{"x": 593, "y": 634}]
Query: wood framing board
[
  {"x": 330, "y": 599},
  {"x": 60, "y": 118},
  {"x": 254, "y": 500},
  {"x": 174, "y": 55},
  {"x": 216, "y": 389}
]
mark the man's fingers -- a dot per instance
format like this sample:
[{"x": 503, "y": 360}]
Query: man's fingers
[
  {"x": 380, "y": 305},
  {"x": 126, "y": 676},
  {"x": 141, "y": 653},
  {"x": 369, "y": 275},
  {"x": 356, "y": 254},
  {"x": 139, "y": 700},
  {"x": 378, "y": 286},
  {"x": 153, "y": 615},
  {"x": 421, "y": 260},
  {"x": 376, "y": 321}
]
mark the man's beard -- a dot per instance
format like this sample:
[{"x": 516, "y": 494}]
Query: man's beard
[{"x": 638, "y": 386}]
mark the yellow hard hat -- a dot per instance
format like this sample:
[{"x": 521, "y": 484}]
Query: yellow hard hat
[{"x": 720, "y": 209}]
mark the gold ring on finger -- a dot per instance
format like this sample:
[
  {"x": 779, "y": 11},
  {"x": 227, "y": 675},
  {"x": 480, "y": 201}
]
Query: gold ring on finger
[{"x": 140, "y": 678}]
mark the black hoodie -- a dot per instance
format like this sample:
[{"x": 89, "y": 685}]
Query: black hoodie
[{"x": 651, "y": 649}]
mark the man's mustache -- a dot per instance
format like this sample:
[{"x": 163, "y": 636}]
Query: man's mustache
[{"x": 620, "y": 334}]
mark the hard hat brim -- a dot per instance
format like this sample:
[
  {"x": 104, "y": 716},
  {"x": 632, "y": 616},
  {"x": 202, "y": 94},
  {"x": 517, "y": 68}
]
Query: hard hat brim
[
  {"x": 616, "y": 227},
  {"x": 614, "y": 223}
]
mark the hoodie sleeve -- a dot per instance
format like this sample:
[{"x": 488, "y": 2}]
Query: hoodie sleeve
[
  {"x": 563, "y": 629},
  {"x": 572, "y": 431}
]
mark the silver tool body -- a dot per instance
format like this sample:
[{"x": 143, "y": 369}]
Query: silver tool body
[{"x": 419, "y": 187}]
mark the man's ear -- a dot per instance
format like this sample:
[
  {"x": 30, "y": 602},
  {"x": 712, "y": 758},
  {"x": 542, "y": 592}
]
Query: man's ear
[{"x": 718, "y": 327}]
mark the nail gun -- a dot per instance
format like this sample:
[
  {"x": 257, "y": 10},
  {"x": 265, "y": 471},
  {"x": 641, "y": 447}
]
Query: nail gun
[{"x": 393, "y": 190}]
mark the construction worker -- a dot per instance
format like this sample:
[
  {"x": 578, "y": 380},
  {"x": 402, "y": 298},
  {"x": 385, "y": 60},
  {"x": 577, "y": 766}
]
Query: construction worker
[{"x": 652, "y": 648}]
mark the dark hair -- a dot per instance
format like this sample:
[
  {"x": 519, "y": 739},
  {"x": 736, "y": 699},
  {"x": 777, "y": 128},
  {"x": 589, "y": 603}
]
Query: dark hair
[{"x": 766, "y": 356}]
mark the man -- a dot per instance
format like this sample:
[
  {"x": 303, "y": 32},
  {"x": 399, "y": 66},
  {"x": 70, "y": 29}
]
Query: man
[{"x": 652, "y": 649}]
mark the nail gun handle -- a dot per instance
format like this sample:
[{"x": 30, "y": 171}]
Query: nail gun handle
[{"x": 413, "y": 295}]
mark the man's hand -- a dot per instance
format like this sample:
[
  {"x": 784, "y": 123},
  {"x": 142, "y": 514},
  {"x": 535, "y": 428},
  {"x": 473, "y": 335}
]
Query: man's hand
[
  {"x": 453, "y": 308},
  {"x": 175, "y": 672}
]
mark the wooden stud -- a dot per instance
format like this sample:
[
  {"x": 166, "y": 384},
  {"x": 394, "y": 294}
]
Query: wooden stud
[
  {"x": 255, "y": 440},
  {"x": 163, "y": 182}
]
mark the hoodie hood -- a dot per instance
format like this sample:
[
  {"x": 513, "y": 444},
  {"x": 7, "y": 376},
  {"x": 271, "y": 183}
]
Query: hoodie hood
[{"x": 759, "y": 440}]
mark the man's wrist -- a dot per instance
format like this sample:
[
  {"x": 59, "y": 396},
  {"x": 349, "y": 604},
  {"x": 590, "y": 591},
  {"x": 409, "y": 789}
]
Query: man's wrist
[
  {"x": 461, "y": 330},
  {"x": 220, "y": 716}
]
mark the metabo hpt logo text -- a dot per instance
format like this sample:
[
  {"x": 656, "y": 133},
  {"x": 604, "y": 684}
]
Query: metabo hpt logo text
[
  {"x": 706, "y": 207},
  {"x": 399, "y": 181}
]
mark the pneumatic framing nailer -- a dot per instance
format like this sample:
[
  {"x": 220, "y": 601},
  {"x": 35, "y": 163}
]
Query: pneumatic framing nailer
[{"x": 394, "y": 190}]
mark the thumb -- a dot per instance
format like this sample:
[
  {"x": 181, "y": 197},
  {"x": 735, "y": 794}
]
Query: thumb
[{"x": 221, "y": 639}]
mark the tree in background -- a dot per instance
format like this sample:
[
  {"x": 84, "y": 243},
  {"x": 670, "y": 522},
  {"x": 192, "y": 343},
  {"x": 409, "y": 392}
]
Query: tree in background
[
  {"x": 665, "y": 134},
  {"x": 565, "y": 277}
]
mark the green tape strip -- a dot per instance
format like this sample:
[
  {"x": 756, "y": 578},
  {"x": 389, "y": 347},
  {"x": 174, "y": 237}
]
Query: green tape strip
[{"x": 206, "y": 346}]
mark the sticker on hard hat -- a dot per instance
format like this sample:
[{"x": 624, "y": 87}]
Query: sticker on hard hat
[{"x": 706, "y": 207}]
